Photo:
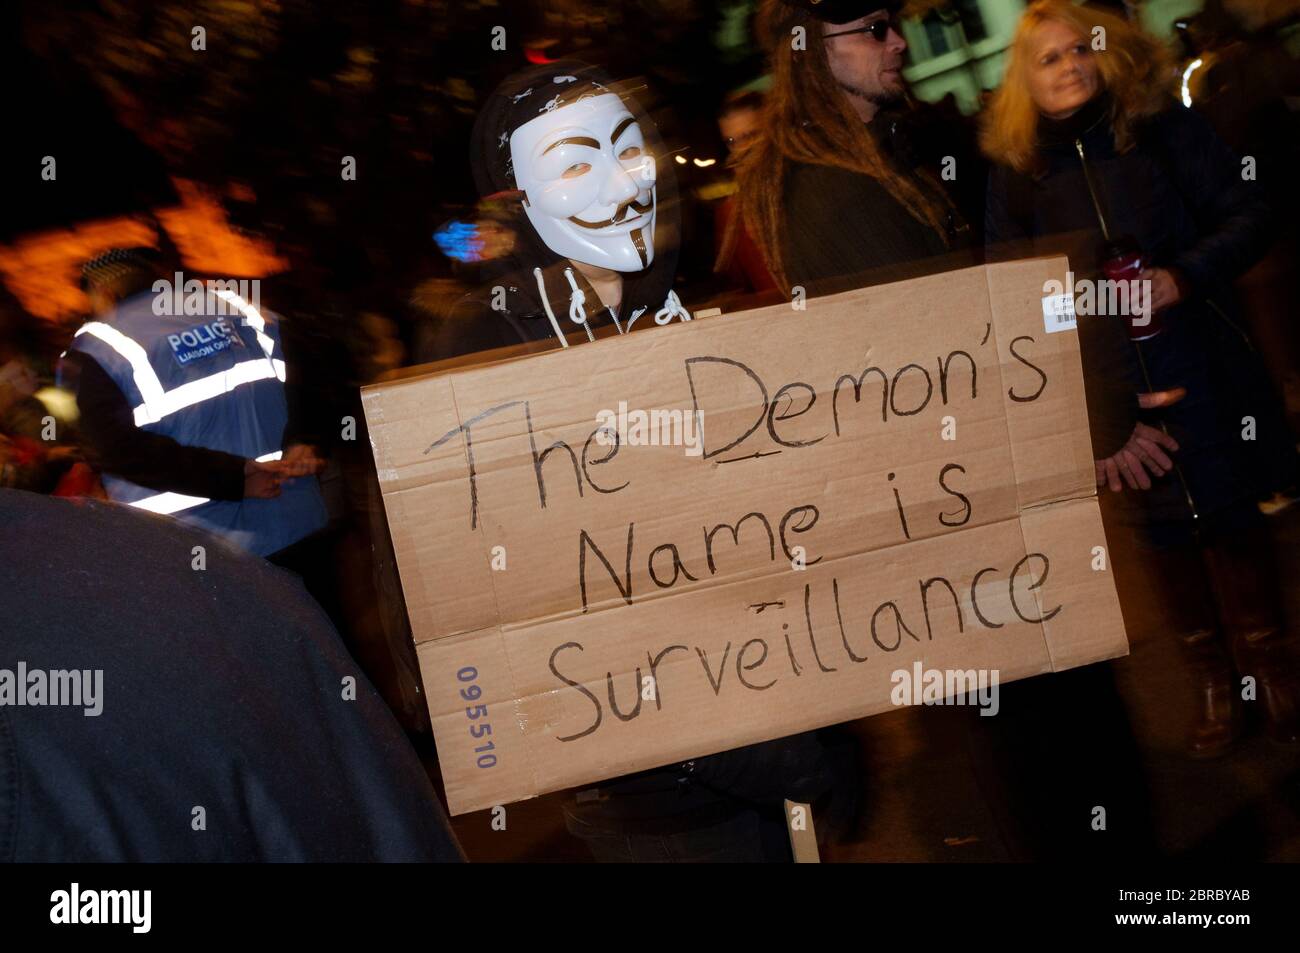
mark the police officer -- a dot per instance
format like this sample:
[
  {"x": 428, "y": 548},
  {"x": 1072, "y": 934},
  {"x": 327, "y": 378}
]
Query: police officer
[{"x": 186, "y": 414}]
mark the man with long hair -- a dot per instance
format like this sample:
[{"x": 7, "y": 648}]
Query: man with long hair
[{"x": 836, "y": 191}]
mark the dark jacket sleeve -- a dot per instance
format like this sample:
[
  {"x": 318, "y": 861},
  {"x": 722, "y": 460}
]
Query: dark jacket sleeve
[
  {"x": 1232, "y": 214},
  {"x": 470, "y": 326},
  {"x": 315, "y": 362},
  {"x": 301, "y": 424},
  {"x": 842, "y": 225},
  {"x": 1005, "y": 238},
  {"x": 1109, "y": 372},
  {"x": 152, "y": 460}
]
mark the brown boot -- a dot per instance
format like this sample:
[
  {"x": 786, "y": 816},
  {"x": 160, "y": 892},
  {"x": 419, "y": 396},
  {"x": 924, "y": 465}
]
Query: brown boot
[
  {"x": 1217, "y": 723},
  {"x": 1247, "y": 589},
  {"x": 1264, "y": 655}
]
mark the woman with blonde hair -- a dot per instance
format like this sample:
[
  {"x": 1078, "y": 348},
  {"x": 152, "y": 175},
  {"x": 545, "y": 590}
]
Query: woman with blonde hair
[{"x": 1093, "y": 157}]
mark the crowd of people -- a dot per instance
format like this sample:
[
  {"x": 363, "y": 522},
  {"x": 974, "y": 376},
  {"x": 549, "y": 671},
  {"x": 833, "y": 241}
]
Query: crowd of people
[{"x": 235, "y": 421}]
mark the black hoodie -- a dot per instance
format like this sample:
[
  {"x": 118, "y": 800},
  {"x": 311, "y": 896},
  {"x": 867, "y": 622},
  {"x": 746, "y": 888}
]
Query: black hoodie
[{"x": 533, "y": 278}]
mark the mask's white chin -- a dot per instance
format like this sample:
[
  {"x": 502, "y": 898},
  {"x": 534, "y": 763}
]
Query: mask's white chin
[{"x": 616, "y": 250}]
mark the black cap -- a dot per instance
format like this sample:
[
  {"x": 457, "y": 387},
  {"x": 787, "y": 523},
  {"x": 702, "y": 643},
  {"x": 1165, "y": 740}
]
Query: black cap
[
  {"x": 845, "y": 11},
  {"x": 521, "y": 97}
]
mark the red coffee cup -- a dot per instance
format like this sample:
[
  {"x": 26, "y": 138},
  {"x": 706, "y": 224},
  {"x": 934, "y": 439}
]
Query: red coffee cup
[{"x": 1123, "y": 261}]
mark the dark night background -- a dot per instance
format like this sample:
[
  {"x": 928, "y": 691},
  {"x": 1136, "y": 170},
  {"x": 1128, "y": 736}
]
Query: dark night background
[{"x": 284, "y": 91}]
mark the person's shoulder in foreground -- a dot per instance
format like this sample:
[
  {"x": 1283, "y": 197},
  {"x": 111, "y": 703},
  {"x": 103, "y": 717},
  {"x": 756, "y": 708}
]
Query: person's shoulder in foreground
[{"x": 167, "y": 697}]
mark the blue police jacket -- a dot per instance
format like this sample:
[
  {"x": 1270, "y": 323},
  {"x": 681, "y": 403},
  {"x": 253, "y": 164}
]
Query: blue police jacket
[{"x": 212, "y": 380}]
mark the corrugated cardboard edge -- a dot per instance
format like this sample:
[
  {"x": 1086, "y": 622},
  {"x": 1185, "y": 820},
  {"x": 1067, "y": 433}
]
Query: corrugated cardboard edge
[
  {"x": 527, "y": 785},
  {"x": 1035, "y": 514},
  {"x": 432, "y": 673}
]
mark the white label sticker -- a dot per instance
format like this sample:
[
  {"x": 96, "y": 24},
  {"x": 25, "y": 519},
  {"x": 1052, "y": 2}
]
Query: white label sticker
[{"x": 1058, "y": 313}]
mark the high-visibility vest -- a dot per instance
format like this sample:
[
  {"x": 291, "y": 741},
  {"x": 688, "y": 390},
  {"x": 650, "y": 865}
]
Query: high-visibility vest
[{"x": 213, "y": 381}]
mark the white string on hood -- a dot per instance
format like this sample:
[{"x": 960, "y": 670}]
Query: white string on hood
[
  {"x": 673, "y": 308},
  {"x": 577, "y": 300},
  {"x": 577, "y": 313},
  {"x": 555, "y": 325}
]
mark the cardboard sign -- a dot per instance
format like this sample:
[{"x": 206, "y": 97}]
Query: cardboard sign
[{"x": 649, "y": 548}]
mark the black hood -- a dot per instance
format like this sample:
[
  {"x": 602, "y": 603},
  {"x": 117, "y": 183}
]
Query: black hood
[{"x": 516, "y": 101}]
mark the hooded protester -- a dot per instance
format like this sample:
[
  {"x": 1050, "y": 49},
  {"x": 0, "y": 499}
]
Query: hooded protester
[
  {"x": 594, "y": 251},
  {"x": 594, "y": 218}
]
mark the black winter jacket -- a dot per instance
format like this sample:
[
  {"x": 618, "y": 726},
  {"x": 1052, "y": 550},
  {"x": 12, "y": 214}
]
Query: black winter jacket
[
  {"x": 1180, "y": 193},
  {"x": 224, "y": 689},
  {"x": 846, "y": 230}
]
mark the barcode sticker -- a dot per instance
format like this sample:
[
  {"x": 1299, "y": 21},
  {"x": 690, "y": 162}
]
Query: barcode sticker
[{"x": 1058, "y": 313}]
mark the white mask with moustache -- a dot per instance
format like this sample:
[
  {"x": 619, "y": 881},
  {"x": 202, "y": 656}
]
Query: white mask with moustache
[{"x": 588, "y": 181}]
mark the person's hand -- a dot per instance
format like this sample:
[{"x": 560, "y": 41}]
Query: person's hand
[
  {"x": 1144, "y": 451},
  {"x": 1165, "y": 292},
  {"x": 1143, "y": 456},
  {"x": 301, "y": 460},
  {"x": 262, "y": 480}
]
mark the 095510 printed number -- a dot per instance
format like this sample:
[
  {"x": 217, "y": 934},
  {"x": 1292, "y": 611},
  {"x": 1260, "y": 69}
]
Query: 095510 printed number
[{"x": 478, "y": 728}]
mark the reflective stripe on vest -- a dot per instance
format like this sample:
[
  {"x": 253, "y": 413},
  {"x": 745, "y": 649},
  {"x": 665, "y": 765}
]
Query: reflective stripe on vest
[
  {"x": 146, "y": 381},
  {"x": 196, "y": 392},
  {"x": 219, "y": 388},
  {"x": 254, "y": 319},
  {"x": 175, "y": 502},
  {"x": 158, "y": 403}
]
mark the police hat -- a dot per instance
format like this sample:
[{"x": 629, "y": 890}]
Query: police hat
[
  {"x": 845, "y": 11},
  {"x": 116, "y": 262}
]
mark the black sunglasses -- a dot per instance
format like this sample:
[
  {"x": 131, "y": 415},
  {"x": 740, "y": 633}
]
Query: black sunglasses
[{"x": 879, "y": 29}]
